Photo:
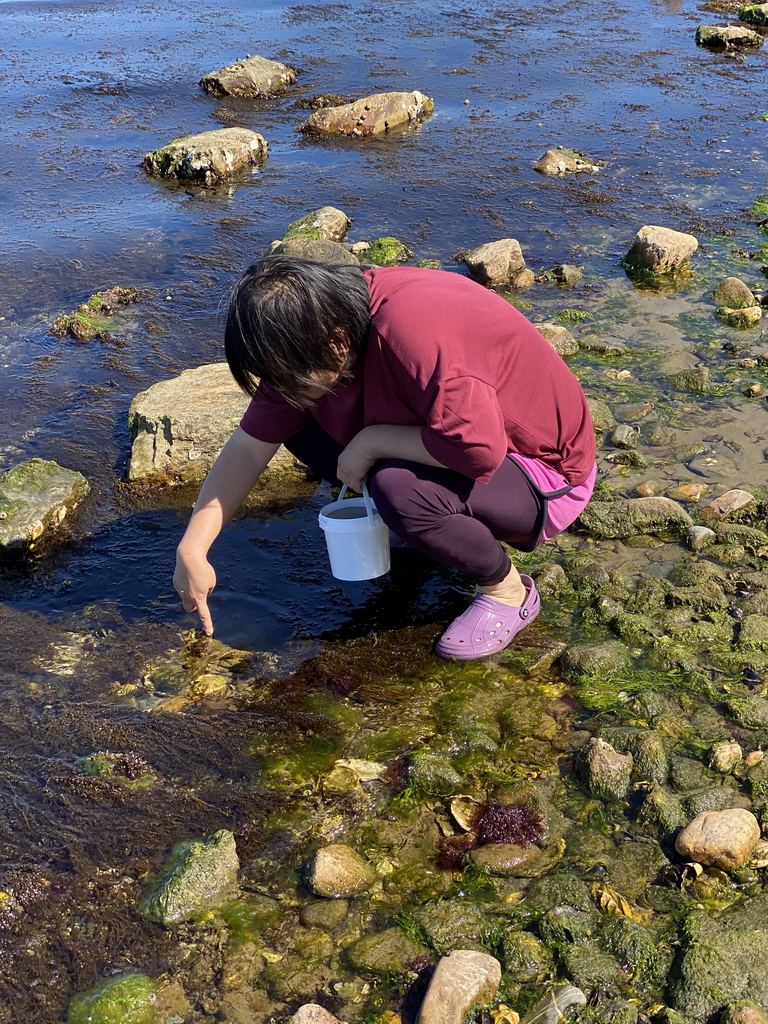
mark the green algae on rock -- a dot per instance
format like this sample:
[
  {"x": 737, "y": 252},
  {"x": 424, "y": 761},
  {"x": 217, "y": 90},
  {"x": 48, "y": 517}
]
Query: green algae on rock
[
  {"x": 326, "y": 223},
  {"x": 319, "y": 250},
  {"x": 385, "y": 252},
  {"x": 128, "y": 770},
  {"x": 629, "y": 516},
  {"x": 207, "y": 157},
  {"x": 200, "y": 874},
  {"x": 35, "y": 498},
  {"x": 93, "y": 319},
  {"x": 126, "y": 999}
]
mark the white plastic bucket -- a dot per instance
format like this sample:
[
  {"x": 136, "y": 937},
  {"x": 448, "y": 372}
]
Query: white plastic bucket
[{"x": 357, "y": 537}]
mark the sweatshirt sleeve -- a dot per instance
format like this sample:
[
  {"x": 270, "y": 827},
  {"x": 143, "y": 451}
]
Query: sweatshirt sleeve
[
  {"x": 270, "y": 418},
  {"x": 464, "y": 428}
]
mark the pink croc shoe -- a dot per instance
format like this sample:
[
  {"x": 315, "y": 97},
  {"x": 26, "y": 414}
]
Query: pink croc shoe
[{"x": 488, "y": 626}]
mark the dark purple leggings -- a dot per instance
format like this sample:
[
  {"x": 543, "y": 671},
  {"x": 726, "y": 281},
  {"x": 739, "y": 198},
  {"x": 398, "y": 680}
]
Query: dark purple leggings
[{"x": 445, "y": 515}]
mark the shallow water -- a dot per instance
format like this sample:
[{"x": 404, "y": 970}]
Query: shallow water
[{"x": 88, "y": 88}]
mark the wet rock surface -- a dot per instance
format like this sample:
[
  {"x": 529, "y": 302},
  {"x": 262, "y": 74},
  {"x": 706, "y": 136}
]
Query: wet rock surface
[
  {"x": 658, "y": 250},
  {"x": 372, "y": 115},
  {"x": 727, "y": 36},
  {"x": 200, "y": 874},
  {"x": 208, "y": 157},
  {"x": 562, "y": 161},
  {"x": 498, "y": 263},
  {"x": 250, "y": 77},
  {"x": 462, "y": 980},
  {"x": 338, "y": 872},
  {"x": 179, "y": 426},
  {"x": 720, "y": 839},
  {"x": 35, "y": 499}
]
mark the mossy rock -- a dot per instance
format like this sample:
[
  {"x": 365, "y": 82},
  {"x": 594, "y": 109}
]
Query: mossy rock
[
  {"x": 387, "y": 252},
  {"x": 724, "y": 958},
  {"x": 664, "y": 811},
  {"x": 696, "y": 380},
  {"x": 200, "y": 874},
  {"x": 589, "y": 967},
  {"x": 128, "y": 770},
  {"x": 35, "y": 498},
  {"x": 126, "y": 999},
  {"x": 602, "y": 659},
  {"x": 602, "y": 417},
  {"x": 631, "y": 516},
  {"x": 748, "y": 711},
  {"x": 753, "y": 635},
  {"x": 634, "y": 946},
  {"x": 386, "y": 952},
  {"x": 432, "y": 773},
  {"x": 526, "y": 958},
  {"x": 563, "y": 925},
  {"x": 94, "y": 318},
  {"x": 457, "y": 924},
  {"x": 326, "y": 223}
]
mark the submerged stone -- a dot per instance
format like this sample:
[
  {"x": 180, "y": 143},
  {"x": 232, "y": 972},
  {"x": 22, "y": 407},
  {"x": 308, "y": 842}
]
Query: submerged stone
[
  {"x": 695, "y": 380},
  {"x": 179, "y": 426},
  {"x": 93, "y": 319},
  {"x": 589, "y": 966},
  {"x": 724, "y": 958},
  {"x": 455, "y": 922},
  {"x": 200, "y": 874},
  {"x": 35, "y": 498},
  {"x": 209, "y": 156},
  {"x": 432, "y": 773},
  {"x": 602, "y": 417},
  {"x": 566, "y": 274},
  {"x": 385, "y": 952},
  {"x": 125, "y": 999},
  {"x": 554, "y": 1007},
  {"x": 525, "y": 957},
  {"x": 250, "y": 77},
  {"x": 326, "y": 223},
  {"x": 312, "y": 1013},
  {"x": 509, "y": 859},
  {"x": 338, "y": 872},
  {"x": 625, "y": 436},
  {"x": 732, "y": 292},
  {"x": 606, "y": 772},
  {"x": 463, "y": 979},
  {"x": 658, "y": 250},
  {"x": 632, "y": 945},
  {"x": 561, "y": 161},
  {"x": 372, "y": 115},
  {"x": 748, "y": 711},
  {"x": 720, "y": 839},
  {"x": 748, "y": 317},
  {"x": 663, "y": 810}
]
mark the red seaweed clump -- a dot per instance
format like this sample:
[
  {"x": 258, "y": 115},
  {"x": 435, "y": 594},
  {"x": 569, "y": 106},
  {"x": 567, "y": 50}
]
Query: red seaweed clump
[
  {"x": 496, "y": 823},
  {"x": 453, "y": 848},
  {"x": 509, "y": 823}
]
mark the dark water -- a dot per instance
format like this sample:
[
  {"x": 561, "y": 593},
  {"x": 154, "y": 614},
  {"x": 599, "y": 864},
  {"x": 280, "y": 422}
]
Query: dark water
[{"x": 88, "y": 88}]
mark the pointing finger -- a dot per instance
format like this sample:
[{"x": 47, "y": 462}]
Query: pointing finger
[{"x": 205, "y": 616}]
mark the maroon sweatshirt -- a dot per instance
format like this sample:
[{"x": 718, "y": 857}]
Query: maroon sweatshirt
[{"x": 448, "y": 355}]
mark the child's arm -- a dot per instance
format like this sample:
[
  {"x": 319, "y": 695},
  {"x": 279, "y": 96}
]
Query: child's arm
[{"x": 239, "y": 465}]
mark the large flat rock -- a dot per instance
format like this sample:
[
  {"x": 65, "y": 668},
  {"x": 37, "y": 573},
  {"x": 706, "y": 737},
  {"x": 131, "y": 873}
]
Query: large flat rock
[
  {"x": 179, "y": 426},
  {"x": 372, "y": 115},
  {"x": 35, "y": 498},
  {"x": 250, "y": 77},
  {"x": 209, "y": 156}
]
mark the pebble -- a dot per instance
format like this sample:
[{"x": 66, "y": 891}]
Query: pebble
[
  {"x": 688, "y": 492},
  {"x": 554, "y": 1006},
  {"x": 754, "y": 757},
  {"x": 720, "y": 839},
  {"x": 338, "y": 871},
  {"x": 727, "y": 504},
  {"x": 624, "y": 436},
  {"x": 725, "y": 755},
  {"x": 647, "y": 489},
  {"x": 699, "y": 537},
  {"x": 312, "y": 1013},
  {"x": 463, "y": 979}
]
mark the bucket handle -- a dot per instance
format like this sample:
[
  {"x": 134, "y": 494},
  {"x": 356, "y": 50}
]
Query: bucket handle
[{"x": 366, "y": 499}]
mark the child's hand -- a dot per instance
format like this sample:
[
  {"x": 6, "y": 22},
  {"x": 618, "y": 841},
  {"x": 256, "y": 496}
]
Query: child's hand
[{"x": 194, "y": 580}]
